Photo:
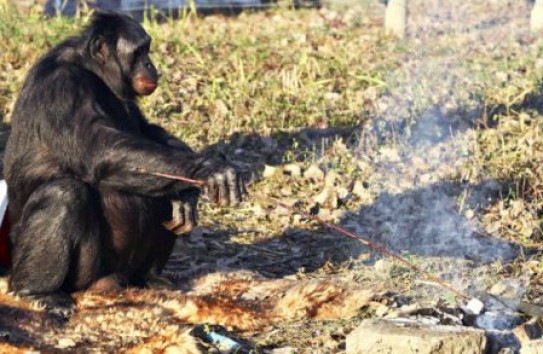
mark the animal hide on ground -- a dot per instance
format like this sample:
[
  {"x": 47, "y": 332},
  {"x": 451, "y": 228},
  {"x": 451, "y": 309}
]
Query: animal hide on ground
[{"x": 158, "y": 320}]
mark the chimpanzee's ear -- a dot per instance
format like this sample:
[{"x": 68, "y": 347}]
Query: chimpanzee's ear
[{"x": 99, "y": 49}]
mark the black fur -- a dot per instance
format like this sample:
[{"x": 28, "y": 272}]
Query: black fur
[{"x": 81, "y": 208}]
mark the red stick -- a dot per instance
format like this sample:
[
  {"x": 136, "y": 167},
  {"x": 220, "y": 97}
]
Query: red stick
[{"x": 341, "y": 230}]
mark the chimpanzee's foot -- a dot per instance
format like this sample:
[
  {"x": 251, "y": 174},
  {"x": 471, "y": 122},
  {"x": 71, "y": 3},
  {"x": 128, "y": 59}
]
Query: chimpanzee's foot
[
  {"x": 109, "y": 283},
  {"x": 158, "y": 283},
  {"x": 59, "y": 305}
]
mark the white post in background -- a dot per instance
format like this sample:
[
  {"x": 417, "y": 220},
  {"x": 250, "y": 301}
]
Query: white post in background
[
  {"x": 536, "y": 19},
  {"x": 396, "y": 17}
]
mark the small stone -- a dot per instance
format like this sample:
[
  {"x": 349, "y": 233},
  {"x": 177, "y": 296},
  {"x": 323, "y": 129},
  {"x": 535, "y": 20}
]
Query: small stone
[
  {"x": 473, "y": 307},
  {"x": 529, "y": 331}
]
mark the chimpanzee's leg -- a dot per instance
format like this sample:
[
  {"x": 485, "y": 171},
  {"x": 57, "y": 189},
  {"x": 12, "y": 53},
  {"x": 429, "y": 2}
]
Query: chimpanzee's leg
[
  {"x": 163, "y": 239},
  {"x": 159, "y": 243},
  {"x": 136, "y": 245},
  {"x": 162, "y": 248},
  {"x": 56, "y": 243},
  {"x": 134, "y": 227}
]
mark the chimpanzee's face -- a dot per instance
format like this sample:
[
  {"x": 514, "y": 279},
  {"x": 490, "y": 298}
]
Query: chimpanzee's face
[
  {"x": 124, "y": 61},
  {"x": 136, "y": 63}
]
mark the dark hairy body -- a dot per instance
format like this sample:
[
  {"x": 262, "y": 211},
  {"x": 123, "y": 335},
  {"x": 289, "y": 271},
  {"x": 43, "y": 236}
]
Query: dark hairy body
[{"x": 83, "y": 213}]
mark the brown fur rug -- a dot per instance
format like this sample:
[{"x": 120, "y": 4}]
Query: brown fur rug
[{"x": 146, "y": 320}]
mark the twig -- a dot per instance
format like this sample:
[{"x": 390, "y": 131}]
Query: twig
[{"x": 329, "y": 225}]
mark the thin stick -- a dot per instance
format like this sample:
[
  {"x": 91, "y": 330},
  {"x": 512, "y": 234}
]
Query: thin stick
[
  {"x": 362, "y": 240},
  {"x": 341, "y": 230}
]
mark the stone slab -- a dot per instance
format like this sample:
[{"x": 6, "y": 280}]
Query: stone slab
[{"x": 409, "y": 336}]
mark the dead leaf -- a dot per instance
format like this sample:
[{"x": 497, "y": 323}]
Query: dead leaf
[
  {"x": 314, "y": 174},
  {"x": 292, "y": 170},
  {"x": 323, "y": 196},
  {"x": 269, "y": 171},
  {"x": 359, "y": 190},
  {"x": 330, "y": 179}
]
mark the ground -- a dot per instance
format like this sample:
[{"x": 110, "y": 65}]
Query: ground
[{"x": 431, "y": 147}]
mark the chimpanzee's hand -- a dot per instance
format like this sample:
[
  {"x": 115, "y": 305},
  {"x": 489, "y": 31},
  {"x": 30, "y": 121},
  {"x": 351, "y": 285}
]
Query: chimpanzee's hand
[
  {"x": 184, "y": 212},
  {"x": 223, "y": 183}
]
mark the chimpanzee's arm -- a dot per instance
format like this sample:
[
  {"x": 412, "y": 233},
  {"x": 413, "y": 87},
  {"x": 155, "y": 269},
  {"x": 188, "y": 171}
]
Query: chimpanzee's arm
[
  {"x": 119, "y": 159},
  {"x": 87, "y": 138},
  {"x": 157, "y": 133},
  {"x": 161, "y": 136}
]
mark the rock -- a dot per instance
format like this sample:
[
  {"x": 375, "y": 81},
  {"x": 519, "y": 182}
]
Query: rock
[
  {"x": 501, "y": 341},
  {"x": 410, "y": 336},
  {"x": 528, "y": 331},
  {"x": 532, "y": 347},
  {"x": 473, "y": 307}
]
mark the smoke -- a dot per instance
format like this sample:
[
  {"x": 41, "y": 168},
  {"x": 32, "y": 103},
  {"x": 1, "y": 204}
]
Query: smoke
[{"x": 424, "y": 126}]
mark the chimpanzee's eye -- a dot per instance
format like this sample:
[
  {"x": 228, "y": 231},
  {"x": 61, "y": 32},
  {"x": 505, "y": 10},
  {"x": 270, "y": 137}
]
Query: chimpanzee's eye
[{"x": 139, "y": 52}]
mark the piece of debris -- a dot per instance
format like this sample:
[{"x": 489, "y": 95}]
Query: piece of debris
[
  {"x": 409, "y": 336},
  {"x": 224, "y": 344},
  {"x": 473, "y": 307}
]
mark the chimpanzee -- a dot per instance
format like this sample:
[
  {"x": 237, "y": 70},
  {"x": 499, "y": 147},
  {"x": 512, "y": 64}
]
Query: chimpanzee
[{"x": 83, "y": 210}]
